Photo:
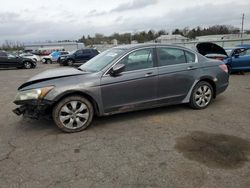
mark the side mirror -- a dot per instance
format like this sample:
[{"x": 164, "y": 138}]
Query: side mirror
[{"x": 117, "y": 69}]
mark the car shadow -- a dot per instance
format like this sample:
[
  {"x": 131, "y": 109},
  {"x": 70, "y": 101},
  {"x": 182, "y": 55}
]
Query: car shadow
[{"x": 123, "y": 117}]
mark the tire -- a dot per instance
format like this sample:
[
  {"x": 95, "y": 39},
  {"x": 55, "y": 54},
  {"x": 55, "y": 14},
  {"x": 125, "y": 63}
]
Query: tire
[
  {"x": 49, "y": 61},
  {"x": 201, "y": 96},
  {"x": 229, "y": 69},
  {"x": 67, "y": 116},
  {"x": 27, "y": 65},
  {"x": 70, "y": 62}
]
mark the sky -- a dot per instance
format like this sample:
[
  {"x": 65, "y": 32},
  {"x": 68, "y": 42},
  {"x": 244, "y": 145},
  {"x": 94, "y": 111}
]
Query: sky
[{"x": 43, "y": 20}]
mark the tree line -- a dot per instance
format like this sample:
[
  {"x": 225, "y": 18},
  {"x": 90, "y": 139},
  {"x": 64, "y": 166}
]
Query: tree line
[
  {"x": 141, "y": 36},
  {"x": 151, "y": 35}
]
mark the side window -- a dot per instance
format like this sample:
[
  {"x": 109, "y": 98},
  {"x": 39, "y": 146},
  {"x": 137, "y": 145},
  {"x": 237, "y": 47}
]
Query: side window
[
  {"x": 245, "y": 52},
  {"x": 79, "y": 52},
  {"x": 190, "y": 57},
  {"x": 171, "y": 56},
  {"x": 140, "y": 59},
  {"x": 87, "y": 51}
]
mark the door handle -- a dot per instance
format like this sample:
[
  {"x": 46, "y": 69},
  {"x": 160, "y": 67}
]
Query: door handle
[
  {"x": 149, "y": 74},
  {"x": 191, "y": 68}
]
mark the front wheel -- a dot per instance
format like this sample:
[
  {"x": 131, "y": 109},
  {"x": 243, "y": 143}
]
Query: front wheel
[
  {"x": 201, "y": 96},
  {"x": 70, "y": 62},
  {"x": 73, "y": 114}
]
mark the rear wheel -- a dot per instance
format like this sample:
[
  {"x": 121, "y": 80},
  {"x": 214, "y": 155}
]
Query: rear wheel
[
  {"x": 202, "y": 95},
  {"x": 73, "y": 114},
  {"x": 49, "y": 61},
  {"x": 27, "y": 65}
]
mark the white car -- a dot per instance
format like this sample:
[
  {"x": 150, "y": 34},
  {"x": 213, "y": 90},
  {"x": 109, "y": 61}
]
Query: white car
[
  {"x": 31, "y": 56},
  {"x": 53, "y": 57}
]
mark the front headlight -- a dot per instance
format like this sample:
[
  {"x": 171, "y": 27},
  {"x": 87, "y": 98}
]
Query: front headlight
[{"x": 38, "y": 93}]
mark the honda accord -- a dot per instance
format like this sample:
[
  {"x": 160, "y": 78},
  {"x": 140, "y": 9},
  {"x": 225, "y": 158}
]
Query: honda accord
[{"x": 122, "y": 79}]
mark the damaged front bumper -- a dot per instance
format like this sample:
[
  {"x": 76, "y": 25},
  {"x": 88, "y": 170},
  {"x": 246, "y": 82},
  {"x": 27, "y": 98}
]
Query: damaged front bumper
[{"x": 33, "y": 108}]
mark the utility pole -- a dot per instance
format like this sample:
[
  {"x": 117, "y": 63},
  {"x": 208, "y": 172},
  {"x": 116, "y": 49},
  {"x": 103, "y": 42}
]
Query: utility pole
[{"x": 242, "y": 24}]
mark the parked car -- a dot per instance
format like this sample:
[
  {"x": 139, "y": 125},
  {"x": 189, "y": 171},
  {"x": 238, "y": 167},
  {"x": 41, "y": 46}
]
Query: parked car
[
  {"x": 8, "y": 60},
  {"x": 238, "y": 59},
  {"x": 30, "y": 56},
  {"x": 121, "y": 79},
  {"x": 78, "y": 57},
  {"x": 53, "y": 57}
]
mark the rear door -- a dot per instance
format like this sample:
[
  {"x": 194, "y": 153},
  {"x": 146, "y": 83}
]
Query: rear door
[
  {"x": 87, "y": 55},
  {"x": 177, "y": 70}
]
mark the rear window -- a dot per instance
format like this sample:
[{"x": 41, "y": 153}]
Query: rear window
[
  {"x": 171, "y": 56},
  {"x": 190, "y": 57}
]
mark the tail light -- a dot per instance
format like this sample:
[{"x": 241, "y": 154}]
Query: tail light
[{"x": 224, "y": 68}]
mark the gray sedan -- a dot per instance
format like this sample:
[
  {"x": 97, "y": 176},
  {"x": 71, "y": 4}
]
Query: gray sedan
[{"x": 121, "y": 79}]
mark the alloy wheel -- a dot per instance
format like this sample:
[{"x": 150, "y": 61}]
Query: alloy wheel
[
  {"x": 27, "y": 65},
  {"x": 203, "y": 96},
  {"x": 74, "y": 115}
]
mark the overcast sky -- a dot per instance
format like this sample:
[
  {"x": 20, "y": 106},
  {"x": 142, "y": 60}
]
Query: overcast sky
[{"x": 33, "y": 20}]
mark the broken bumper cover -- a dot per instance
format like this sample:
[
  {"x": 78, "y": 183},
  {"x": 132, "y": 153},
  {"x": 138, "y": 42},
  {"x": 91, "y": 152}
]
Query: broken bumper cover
[{"x": 33, "y": 108}]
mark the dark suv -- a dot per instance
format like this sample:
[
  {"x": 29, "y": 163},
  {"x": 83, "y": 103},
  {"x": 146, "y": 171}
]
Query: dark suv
[
  {"x": 10, "y": 60},
  {"x": 78, "y": 57}
]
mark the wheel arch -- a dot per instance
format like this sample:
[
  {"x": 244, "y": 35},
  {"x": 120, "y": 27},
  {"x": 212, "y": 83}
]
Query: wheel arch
[
  {"x": 206, "y": 79},
  {"x": 211, "y": 82},
  {"x": 79, "y": 93}
]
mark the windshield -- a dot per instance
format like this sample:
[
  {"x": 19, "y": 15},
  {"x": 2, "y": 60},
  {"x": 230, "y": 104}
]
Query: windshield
[
  {"x": 70, "y": 53},
  {"x": 102, "y": 60}
]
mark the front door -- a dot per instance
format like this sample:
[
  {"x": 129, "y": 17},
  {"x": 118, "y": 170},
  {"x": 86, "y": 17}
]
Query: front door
[
  {"x": 241, "y": 61},
  {"x": 136, "y": 87}
]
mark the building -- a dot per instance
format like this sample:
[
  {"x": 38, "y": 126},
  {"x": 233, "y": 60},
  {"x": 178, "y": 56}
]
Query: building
[
  {"x": 171, "y": 39},
  {"x": 222, "y": 37},
  {"x": 51, "y": 46}
]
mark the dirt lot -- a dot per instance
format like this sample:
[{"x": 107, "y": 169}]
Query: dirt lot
[{"x": 165, "y": 147}]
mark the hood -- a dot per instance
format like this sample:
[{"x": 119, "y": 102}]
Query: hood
[
  {"x": 206, "y": 48},
  {"x": 52, "y": 74},
  {"x": 26, "y": 59}
]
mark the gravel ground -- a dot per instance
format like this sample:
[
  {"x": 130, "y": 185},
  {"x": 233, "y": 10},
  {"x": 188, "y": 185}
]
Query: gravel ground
[{"x": 166, "y": 147}]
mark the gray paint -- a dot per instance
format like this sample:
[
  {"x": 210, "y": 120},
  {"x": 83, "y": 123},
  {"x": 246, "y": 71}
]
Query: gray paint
[{"x": 132, "y": 90}]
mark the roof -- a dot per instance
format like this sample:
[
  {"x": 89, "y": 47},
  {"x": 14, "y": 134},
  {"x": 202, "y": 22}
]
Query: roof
[{"x": 141, "y": 45}]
